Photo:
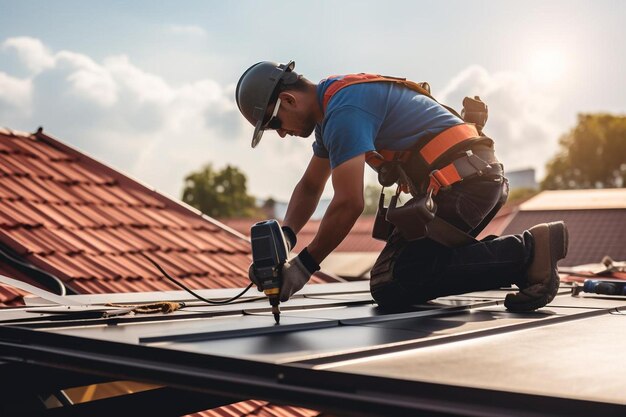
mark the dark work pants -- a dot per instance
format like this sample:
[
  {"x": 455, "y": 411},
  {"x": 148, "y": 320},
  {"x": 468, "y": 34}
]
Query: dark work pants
[{"x": 422, "y": 270}]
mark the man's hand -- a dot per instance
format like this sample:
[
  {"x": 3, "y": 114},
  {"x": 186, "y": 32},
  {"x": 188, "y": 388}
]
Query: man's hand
[{"x": 295, "y": 273}]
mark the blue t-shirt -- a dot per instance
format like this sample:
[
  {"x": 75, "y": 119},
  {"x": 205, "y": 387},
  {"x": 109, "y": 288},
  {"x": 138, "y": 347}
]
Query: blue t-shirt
[{"x": 374, "y": 116}]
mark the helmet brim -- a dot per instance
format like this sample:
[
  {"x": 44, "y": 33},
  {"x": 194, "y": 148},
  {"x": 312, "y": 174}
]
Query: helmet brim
[
  {"x": 259, "y": 128},
  {"x": 258, "y": 133}
]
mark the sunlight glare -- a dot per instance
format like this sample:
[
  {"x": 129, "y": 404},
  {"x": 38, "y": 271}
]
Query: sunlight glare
[{"x": 547, "y": 66}]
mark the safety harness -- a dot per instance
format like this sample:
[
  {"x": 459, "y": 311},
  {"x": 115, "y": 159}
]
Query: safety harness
[
  {"x": 431, "y": 152},
  {"x": 431, "y": 157}
]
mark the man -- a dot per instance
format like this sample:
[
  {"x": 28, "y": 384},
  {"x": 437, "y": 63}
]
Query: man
[{"x": 362, "y": 116}]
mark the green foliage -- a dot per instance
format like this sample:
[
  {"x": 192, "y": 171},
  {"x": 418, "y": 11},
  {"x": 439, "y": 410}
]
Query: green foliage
[
  {"x": 591, "y": 155},
  {"x": 219, "y": 193}
]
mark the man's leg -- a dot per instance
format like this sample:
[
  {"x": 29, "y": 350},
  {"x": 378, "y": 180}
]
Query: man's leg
[
  {"x": 422, "y": 270},
  {"x": 413, "y": 272}
]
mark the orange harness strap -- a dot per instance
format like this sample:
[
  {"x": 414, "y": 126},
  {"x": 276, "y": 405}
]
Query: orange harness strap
[
  {"x": 430, "y": 152},
  {"x": 368, "y": 78}
]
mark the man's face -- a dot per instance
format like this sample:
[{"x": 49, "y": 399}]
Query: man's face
[{"x": 294, "y": 115}]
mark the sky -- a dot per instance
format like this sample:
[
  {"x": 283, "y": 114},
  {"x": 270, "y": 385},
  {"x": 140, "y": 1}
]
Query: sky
[{"x": 147, "y": 87}]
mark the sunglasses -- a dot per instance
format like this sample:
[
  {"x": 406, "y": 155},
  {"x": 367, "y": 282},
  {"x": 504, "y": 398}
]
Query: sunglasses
[{"x": 274, "y": 122}]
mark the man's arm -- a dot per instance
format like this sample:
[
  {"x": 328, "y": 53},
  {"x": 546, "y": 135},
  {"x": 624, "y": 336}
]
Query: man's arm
[
  {"x": 344, "y": 209},
  {"x": 307, "y": 193}
]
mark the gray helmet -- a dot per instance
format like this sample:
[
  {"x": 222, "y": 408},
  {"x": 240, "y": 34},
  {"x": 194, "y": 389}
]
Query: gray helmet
[{"x": 255, "y": 91}]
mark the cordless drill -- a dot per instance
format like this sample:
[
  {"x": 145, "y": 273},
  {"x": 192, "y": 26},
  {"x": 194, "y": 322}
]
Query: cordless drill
[{"x": 269, "y": 254}]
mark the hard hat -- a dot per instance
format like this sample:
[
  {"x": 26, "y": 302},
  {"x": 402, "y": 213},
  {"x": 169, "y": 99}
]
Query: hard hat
[{"x": 256, "y": 88}]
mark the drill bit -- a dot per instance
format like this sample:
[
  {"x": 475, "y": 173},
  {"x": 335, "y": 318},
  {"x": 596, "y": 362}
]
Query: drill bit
[
  {"x": 276, "y": 313},
  {"x": 274, "y": 302}
]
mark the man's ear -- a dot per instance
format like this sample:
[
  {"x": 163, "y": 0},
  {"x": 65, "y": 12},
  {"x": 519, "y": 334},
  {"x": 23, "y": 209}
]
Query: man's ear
[{"x": 288, "y": 99}]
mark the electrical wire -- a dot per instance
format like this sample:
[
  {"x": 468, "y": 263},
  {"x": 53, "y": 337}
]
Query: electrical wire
[
  {"x": 32, "y": 267},
  {"x": 181, "y": 285}
]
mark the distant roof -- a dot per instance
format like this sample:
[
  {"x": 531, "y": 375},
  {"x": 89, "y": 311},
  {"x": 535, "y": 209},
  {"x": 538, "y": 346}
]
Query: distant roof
[
  {"x": 596, "y": 220},
  {"x": 608, "y": 198},
  {"x": 358, "y": 240}
]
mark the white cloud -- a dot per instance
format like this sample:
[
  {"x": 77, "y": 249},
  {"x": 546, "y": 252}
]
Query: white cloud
[
  {"x": 520, "y": 115},
  {"x": 187, "y": 30},
  {"x": 88, "y": 79},
  {"x": 31, "y": 51},
  {"x": 158, "y": 131},
  {"x": 15, "y": 91},
  {"x": 142, "y": 124}
]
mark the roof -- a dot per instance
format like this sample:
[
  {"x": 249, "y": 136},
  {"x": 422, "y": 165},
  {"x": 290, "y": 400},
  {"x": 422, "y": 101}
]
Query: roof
[
  {"x": 596, "y": 221},
  {"x": 336, "y": 351},
  {"x": 88, "y": 224},
  {"x": 358, "y": 240},
  {"x": 605, "y": 198}
]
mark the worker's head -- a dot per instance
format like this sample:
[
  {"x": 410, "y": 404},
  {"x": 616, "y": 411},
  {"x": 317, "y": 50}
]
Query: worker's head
[{"x": 272, "y": 96}]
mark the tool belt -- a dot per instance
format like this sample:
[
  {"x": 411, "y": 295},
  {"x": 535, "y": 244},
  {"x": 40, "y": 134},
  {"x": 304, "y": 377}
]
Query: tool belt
[{"x": 444, "y": 161}]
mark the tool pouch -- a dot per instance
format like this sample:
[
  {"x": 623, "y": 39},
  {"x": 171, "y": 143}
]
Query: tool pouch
[
  {"x": 382, "y": 228},
  {"x": 412, "y": 219},
  {"x": 475, "y": 111}
]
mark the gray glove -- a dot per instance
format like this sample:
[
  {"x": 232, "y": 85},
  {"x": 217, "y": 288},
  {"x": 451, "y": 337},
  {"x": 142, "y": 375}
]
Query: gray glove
[{"x": 296, "y": 272}]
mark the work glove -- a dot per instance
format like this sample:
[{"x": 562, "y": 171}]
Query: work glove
[
  {"x": 295, "y": 273},
  {"x": 475, "y": 111}
]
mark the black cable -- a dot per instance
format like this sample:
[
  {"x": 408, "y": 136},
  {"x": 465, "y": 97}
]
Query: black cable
[
  {"x": 181, "y": 285},
  {"x": 32, "y": 267}
]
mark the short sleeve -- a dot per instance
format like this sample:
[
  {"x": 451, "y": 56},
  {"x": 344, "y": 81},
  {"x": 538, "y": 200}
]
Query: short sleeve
[
  {"x": 349, "y": 131},
  {"x": 319, "y": 149}
]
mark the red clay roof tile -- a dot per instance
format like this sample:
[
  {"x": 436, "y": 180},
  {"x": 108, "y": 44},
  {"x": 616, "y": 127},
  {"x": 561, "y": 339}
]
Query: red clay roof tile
[{"x": 87, "y": 224}]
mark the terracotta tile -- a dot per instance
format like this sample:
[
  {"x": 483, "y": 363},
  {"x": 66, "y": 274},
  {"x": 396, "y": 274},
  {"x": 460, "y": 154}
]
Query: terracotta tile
[
  {"x": 45, "y": 148},
  {"x": 142, "y": 218},
  {"x": 39, "y": 189},
  {"x": 23, "y": 213},
  {"x": 83, "y": 194},
  {"x": 24, "y": 238},
  {"x": 140, "y": 267},
  {"x": 23, "y": 146},
  {"x": 144, "y": 197},
  {"x": 5, "y": 192},
  {"x": 5, "y": 148},
  {"x": 90, "y": 176},
  {"x": 61, "y": 192},
  {"x": 117, "y": 193},
  {"x": 29, "y": 147},
  {"x": 74, "y": 266},
  {"x": 183, "y": 222},
  {"x": 111, "y": 240},
  {"x": 96, "y": 216},
  {"x": 8, "y": 167},
  {"x": 103, "y": 193},
  {"x": 207, "y": 243},
  {"x": 52, "y": 240},
  {"x": 20, "y": 187},
  {"x": 29, "y": 165},
  {"x": 156, "y": 215},
  {"x": 78, "y": 239}
]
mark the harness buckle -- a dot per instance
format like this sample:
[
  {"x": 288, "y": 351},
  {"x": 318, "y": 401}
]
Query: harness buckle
[
  {"x": 478, "y": 164},
  {"x": 437, "y": 182}
]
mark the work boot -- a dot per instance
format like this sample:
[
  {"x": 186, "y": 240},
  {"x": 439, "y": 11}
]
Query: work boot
[{"x": 542, "y": 278}]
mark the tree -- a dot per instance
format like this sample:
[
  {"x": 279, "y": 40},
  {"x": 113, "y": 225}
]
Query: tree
[
  {"x": 219, "y": 193},
  {"x": 591, "y": 155}
]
